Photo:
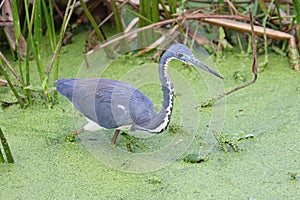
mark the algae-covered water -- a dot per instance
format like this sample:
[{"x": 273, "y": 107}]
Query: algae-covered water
[{"x": 266, "y": 167}]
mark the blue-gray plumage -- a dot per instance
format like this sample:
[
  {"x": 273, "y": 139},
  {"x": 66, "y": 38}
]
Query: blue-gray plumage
[{"x": 114, "y": 104}]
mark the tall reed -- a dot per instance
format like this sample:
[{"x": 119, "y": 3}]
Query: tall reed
[
  {"x": 37, "y": 12},
  {"x": 6, "y": 149}
]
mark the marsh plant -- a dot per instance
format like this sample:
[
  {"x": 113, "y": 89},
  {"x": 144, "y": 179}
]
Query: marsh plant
[
  {"x": 24, "y": 38},
  {"x": 217, "y": 26}
]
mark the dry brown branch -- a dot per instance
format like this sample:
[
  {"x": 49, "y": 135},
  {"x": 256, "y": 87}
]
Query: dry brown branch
[
  {"x": 258, "y": 30},
  {"x": 236, "y": 12},
  {"x": 10, "y": 67},
  {"x": 131, "y": 24},
  {"x": 170, "y": 21},
  {"x": 60, "y": 14},
  {"x": 254, "y": 64},
  {"x": 227, "y": 21},
  {"x": 243, "y": 27}
]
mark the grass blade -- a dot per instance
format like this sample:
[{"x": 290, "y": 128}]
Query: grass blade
[
  {"x": 1, "y": 157},
  {"x": 6, "y": 148},
  {"x": 29, "y": 46},
  {"x": 155, "y": 11},
  {"x": 172, "y": 5},
  {"x": 92, "y": 21},
  {"x": 166, "y": 11},
  {"x": 37, "y": 30},
  {"x": 50, "y": 23},
  {"x": 297, "y": 10},
  {"x": 17, "y": 32},
  {"x": 119, "y": 24}
]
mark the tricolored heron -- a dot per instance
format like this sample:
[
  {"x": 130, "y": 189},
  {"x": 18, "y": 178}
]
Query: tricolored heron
[{"x": 114, "y": 104}]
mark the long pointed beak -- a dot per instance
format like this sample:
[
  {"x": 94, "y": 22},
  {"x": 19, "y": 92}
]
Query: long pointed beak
[{"x": 197, "y": 63}]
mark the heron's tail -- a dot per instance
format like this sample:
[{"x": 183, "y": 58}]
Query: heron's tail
[{"x": 65, "y": 87}]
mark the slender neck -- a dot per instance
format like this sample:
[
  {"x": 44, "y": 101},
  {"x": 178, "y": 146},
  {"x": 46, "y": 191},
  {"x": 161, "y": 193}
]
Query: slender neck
[
  {"x": 167, "y": 86},
  {"x": 161, "y": 121}
]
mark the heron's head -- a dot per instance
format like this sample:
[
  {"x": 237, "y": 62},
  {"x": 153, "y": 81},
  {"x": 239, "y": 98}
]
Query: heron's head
[{"x": 184, "y": 54}]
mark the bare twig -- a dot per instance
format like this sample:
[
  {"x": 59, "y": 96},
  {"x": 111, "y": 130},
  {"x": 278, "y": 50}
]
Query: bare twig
[
  {"x": 169, "y": 21},
  {"x": 254, "y": 70},
  {"x": 236, "y": 12},
  {"x": 10, "y": 67},
  {"x": 6, "y": 76},
  {"x": 254, "y": 64},
  {"x": 227, "y": 21},
  {"x": 60, "y": 14}
]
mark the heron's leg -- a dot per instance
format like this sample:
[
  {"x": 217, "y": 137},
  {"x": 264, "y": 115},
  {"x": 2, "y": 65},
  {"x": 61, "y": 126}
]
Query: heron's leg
[{"x": 113, "y": 141}]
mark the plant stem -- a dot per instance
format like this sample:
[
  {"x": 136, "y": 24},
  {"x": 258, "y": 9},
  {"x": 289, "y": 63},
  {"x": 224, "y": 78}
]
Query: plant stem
[
  {"x": 297, "y": 10},
  {"x": 29, "y": 46},
  {"x": 10, "y": 67},
  {"x": 27, "y": 69},
  {"x": 92, "y": 21},
  {"x": 50, "y": 23},
  {"x": 1, "y": 157},
  {"x": 279, "y": 15},
  {"x": 6, "y": 148},
  {"x": 166, "y": 11},
  {"x": 119, "y": 24},
  {"x": 265, "y": 34},
  {"x": 37, "y": 29},
  {"x": 155, "y": 11},
  {"x": 17, "y": 32},
  {"x": 3, "y": 72},
  {"x": 172, "y": 6}
]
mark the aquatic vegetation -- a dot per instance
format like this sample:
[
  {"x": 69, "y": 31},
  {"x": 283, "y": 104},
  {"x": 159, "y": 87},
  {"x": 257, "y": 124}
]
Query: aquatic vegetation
[
  {"x": 293, "y": 176},
  {"x": 195, "y": 158},
  {"x": 226, "y": 143}
]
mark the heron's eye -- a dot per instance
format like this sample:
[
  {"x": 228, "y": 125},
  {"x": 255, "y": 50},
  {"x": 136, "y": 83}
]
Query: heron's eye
[{"x": 179, "y": 54}]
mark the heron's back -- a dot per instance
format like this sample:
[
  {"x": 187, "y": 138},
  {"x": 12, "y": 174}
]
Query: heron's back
[{"x": 109, "y": 103}]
